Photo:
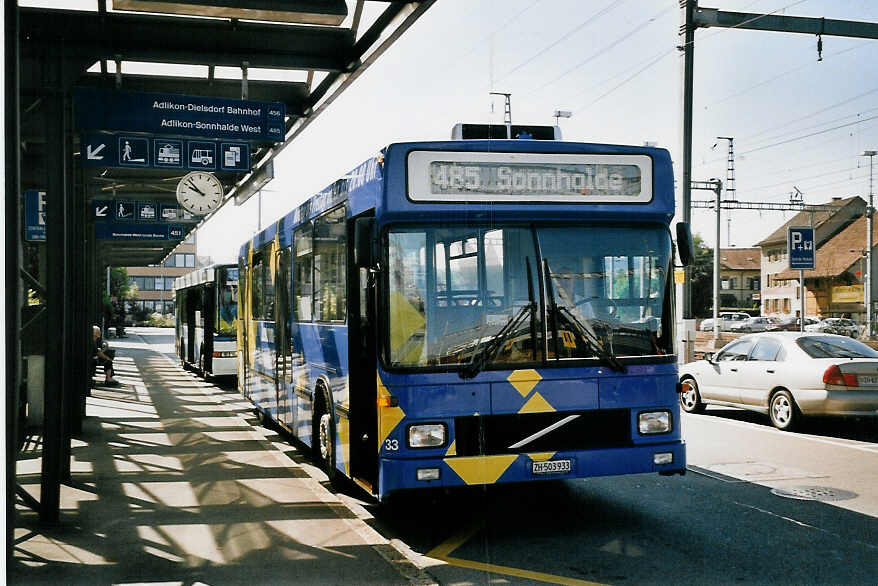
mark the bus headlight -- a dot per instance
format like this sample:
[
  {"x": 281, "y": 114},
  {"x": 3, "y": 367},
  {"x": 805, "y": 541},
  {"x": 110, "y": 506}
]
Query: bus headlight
[
  {"x": 651, "y": 422},
  {"x": 430, "y": 435}
]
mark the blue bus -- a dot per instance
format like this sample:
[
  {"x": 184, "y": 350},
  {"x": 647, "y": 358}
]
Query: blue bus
[
  {"x": 472, "y": 312},
  {"x": 206, "y": 312}
]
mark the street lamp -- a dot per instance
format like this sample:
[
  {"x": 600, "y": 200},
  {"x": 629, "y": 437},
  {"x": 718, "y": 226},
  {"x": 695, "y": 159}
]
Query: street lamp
[
  {"x": 870, "y": 210},
  {"x": 561, "y": 114}
]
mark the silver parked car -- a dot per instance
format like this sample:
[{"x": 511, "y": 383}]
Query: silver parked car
[
  {"x": 726, "y": 319},
  {"x": 786, "y": 375},
  {"x": 752, "y": 324},
  {"x": 836, "y": 325}
]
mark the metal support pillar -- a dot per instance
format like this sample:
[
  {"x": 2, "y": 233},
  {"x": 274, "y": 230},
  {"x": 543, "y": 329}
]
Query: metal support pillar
[
  {"x": 687, "y": 47},
  {"x": 56, "y": 379},
  {"x": 81, "y": 331},
  {"x": 870, "y": 211},
  {"x": 716, "y": 261},
  {"x": 12, "y": 212}
]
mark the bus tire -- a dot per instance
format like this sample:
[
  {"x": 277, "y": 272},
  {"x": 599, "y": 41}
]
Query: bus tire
[
  {"x": 201, "y": 368},
  {"x": 324, "y": 437}
]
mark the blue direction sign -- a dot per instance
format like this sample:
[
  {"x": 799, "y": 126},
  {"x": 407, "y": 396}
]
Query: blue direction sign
[
  {"x": 120, "y": 231},
  {"x": 100, "y": 109},
  {"x": 118, "y": 150},
  {"x": 35, "y": 215},
  {"x": 801, "y": 248}
]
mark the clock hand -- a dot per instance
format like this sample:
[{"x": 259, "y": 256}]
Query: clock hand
[{"x": 195, "y": 187}]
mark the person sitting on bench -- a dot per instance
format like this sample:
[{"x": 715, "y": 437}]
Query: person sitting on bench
[{"x": 103, "y": 355}]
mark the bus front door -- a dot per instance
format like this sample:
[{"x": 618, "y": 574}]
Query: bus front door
[
  {"x": 282, "y": 341},
  {"x": 363, "y": 372}
]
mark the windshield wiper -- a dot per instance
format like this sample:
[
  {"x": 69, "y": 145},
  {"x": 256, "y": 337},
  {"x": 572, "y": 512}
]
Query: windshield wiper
[
  {"x": 482, "y": 357},
  {"x": 584, "y": 328}
]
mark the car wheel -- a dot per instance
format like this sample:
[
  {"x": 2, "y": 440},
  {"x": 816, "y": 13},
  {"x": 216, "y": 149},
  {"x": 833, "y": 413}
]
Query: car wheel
[
  {"x": 690, "y": 398},
  {"x": 783, "y": 411},
  {"x": 324, "y": 439}
]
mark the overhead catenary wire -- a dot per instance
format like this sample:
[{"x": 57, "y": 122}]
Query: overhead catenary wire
[
  {"x": 591, "y": 19},
  {"x": 780, "y": 75},
  {"x": 664, "y": 54},
  {"x": 603, "y": 49}
]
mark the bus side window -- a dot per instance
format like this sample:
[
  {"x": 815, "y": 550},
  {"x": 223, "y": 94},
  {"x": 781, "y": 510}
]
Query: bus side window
[
  {"x": 256, "y": 284},
  {"x": 329, "y": 266},
  {"x": 302, "y": 273},
  {"x": 267, "y": 285}
]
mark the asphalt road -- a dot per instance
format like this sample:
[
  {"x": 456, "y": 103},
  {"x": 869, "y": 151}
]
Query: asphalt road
[{"x": 719, "y": 524}]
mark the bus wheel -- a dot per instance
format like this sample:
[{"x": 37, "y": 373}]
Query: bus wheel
[
  {"x": 204, "y": 374},
  {"x": 324, "y": 439}
]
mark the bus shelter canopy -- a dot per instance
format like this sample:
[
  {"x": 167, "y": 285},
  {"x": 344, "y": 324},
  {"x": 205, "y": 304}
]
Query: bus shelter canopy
[{"x": 300, "y": 53}]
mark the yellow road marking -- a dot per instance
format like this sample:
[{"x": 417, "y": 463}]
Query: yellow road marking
[{"x": 443, "y": 550}]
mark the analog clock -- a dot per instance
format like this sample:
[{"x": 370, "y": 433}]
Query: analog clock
[{"x": 199, "y": 192}]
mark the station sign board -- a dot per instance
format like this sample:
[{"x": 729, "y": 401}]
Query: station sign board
[
  {"x": 35, "y": 215},
  {"x": 133, "y": 231},
  {"x": 178, "y": 114},
  {"x": 119, "y": 210},
  {"x": 801, "y": 248},
  {"x": 161, "y": 152}
]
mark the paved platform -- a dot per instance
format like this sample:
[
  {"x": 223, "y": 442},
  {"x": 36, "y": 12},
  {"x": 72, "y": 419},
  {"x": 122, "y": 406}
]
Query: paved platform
[{"x": 174, "y": 482}]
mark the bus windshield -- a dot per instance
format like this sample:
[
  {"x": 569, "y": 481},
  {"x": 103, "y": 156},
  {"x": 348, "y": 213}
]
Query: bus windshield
[{"x": 462, "y": 293}]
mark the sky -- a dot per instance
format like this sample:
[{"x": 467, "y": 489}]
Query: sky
[{"x": 797, "y": 123}]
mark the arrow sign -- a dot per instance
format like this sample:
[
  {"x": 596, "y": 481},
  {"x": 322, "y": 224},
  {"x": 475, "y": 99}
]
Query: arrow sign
[
  {"x": 103, "y": 209},
  {"x": 93, "y": 154}
]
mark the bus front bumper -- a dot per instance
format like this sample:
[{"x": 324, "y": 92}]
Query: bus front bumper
[{"x": 401, "y": 474}]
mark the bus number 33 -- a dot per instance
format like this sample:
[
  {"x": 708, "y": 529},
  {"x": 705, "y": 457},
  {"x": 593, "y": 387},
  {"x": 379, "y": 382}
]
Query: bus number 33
[{"x": 391, "y": 445}]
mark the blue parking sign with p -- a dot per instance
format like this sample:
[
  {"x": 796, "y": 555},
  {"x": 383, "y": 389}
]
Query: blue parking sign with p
[{"x": 801, "y": 247}]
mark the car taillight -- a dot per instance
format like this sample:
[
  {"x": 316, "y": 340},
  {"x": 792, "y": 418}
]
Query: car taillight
[{"x": 834, "y": 376}]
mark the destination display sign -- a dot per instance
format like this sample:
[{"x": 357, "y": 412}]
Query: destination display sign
[
  {"x": 256, "y": 121},
  {"x": 529, "y": 177},
  {"x": 151, "y": 152},
  {"x": 120, "y": 231}
]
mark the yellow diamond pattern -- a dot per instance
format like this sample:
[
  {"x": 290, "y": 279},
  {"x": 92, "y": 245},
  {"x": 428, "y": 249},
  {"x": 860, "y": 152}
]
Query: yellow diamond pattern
[
  {"x": 388, "y": 417},
  {"x": 481, "y": 469},
  {"x": 524, "y": 380},
  {"x": 537, "y": 404}
]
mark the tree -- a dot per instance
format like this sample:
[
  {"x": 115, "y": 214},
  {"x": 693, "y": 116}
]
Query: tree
[
  {"x": 121, "y": 290},
  {"x": 702, "y": 278}
]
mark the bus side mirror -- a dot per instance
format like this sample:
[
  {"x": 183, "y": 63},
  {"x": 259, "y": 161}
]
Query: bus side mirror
[
  {"x": 363, "y": 239},
  {"x": 685, "y": 244}
]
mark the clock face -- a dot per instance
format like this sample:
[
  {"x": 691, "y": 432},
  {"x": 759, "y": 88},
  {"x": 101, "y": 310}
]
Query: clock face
[{"x": 199, "y": 192}]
